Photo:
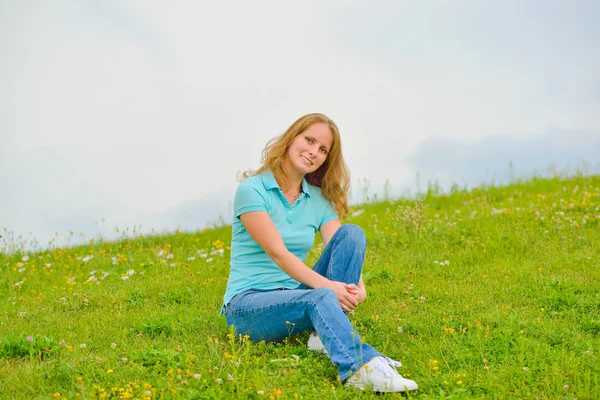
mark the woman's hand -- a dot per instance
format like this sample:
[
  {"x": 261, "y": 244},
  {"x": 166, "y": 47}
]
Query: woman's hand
[
  {"x": 348, "y": 300},
  {"x": 358, "y": 292}
]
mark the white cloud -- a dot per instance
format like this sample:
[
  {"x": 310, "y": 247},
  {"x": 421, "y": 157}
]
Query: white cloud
[{"x": 126, "y": 110}]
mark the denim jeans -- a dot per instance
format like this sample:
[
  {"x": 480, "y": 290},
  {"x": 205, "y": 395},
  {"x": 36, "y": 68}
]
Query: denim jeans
[{"x": 274, "y": 315}]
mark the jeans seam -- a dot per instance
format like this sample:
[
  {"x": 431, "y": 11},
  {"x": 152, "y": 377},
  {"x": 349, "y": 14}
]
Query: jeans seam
[{"x": 269, "y": 306}]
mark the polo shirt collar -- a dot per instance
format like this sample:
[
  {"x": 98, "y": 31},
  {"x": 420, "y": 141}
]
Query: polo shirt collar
[{"x": 271, "y": 183}]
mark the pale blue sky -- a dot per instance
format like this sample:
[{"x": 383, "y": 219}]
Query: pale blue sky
[{"x": 142, "y": 113}]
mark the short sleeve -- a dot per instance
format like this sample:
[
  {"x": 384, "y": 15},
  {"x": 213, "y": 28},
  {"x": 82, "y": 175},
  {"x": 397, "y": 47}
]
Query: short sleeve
[
  {"x": 329, "y": 214},
  {"x": 248, "y": 198}
]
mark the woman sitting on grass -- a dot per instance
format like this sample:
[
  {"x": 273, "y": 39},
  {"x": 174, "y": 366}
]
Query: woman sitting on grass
[{"x": 302, "y": 188}]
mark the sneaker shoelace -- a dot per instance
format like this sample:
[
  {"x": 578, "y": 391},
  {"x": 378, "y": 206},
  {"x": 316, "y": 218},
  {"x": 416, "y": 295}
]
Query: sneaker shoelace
[
  {"x": 393, "y": 363},
  {"x": 384, "y": 367}
]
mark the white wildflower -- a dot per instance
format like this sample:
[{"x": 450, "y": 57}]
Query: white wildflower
[
  {"x": 25, "y": 258},
  {"x": 161, "y": 253},
  {"x": 357, "y": 213},
  {"x": 87, "y": 258}
]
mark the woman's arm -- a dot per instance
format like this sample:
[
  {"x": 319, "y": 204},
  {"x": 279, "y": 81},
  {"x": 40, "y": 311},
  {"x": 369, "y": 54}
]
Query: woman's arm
[
  {"x": 329, "y": 229},
  {"x": 261, "y": 228}
]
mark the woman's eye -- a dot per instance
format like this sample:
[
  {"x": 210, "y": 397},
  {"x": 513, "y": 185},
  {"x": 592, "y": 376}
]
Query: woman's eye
[
  {"x": 323, "y": 150},
  {"x": 309, "y": 140}
]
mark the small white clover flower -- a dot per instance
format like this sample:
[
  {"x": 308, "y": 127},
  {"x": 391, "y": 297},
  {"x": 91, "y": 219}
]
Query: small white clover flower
[{"x": 357, "y": 213}]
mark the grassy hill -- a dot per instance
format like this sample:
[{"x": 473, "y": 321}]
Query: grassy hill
[{"x": 489, "y": 293}]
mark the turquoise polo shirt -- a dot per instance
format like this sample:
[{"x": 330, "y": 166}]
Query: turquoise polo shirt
[{"x": 297, "y": 223}]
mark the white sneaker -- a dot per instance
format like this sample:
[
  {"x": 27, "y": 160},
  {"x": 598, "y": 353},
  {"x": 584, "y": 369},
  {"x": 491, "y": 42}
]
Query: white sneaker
[
  {"x": 315, "y": 343},
  {"x": 380, "y": 373}
]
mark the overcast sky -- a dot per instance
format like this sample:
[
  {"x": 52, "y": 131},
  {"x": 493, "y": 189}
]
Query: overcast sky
[{"x": 143, "y": 112}]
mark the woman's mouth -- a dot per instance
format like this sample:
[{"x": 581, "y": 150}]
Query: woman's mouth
[{"x": 306, "y": 160}]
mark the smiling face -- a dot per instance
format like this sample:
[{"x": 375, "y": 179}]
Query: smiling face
[{"x": 309, "y": 150}]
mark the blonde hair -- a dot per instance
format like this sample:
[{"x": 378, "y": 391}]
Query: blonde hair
[{"x": 332, "y": 177}]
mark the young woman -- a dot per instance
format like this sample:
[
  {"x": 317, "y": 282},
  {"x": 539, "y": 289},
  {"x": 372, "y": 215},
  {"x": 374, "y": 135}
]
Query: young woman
[{"x": 302, "y": 188}]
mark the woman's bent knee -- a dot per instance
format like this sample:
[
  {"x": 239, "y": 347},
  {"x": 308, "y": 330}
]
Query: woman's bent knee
[
  {"x": 324, "y": 295},
  {"x": 354, "y": 233}
]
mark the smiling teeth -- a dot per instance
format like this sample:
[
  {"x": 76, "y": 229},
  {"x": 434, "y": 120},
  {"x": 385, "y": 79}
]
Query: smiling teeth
[{"x": 307, "y": 160}]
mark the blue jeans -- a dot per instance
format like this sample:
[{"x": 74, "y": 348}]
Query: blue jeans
[{"x": 273, "y": 315}]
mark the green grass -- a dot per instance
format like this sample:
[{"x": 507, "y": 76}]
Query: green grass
[{"x": 489, "y": 293}]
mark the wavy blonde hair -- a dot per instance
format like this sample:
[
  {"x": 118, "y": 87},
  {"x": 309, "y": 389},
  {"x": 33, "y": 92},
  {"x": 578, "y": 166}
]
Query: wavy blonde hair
[{"x": 332, "y": 177}]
